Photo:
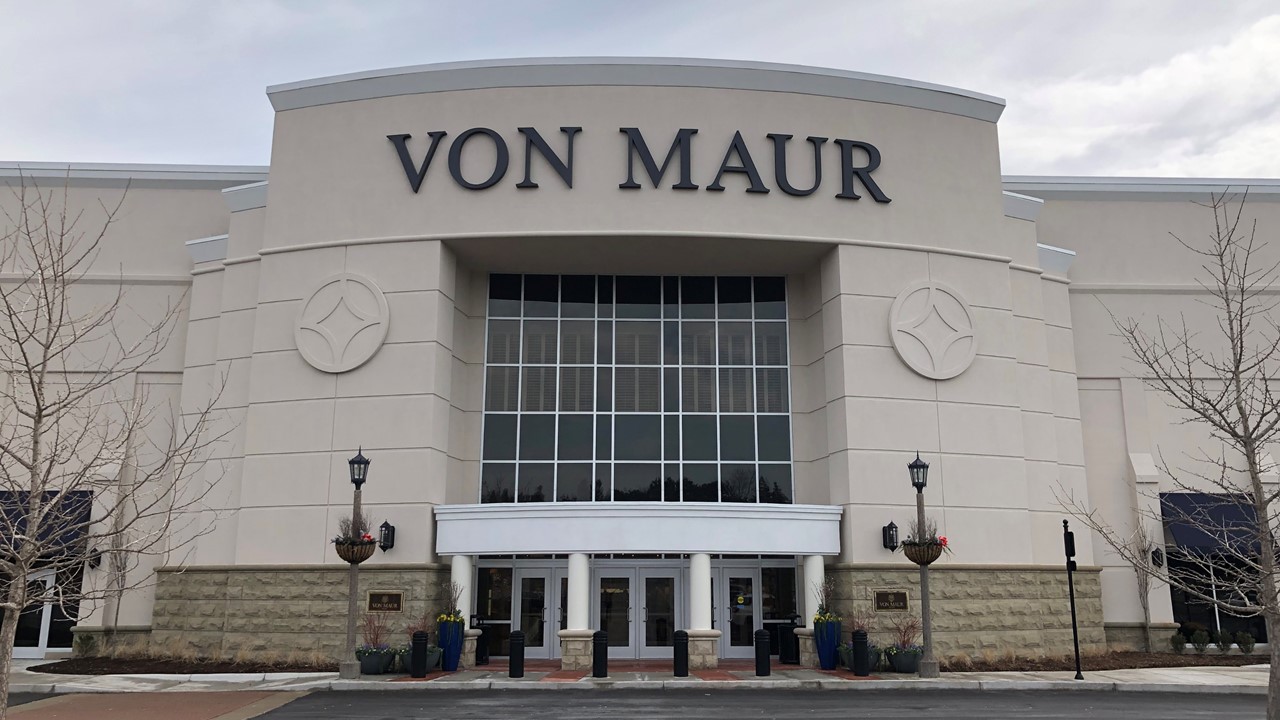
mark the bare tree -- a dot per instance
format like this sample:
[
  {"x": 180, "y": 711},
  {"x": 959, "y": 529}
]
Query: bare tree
[
  {"x": 91, "y": 466},
  {"x": 1222, "y": 382},
  {"x": 1139, "y": 546}
]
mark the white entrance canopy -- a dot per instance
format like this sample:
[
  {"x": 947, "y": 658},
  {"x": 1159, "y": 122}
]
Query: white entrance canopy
[{"x": 631, "y": 527}]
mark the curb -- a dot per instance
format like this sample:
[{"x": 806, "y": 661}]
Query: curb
[{"x": 674, "y": 684}]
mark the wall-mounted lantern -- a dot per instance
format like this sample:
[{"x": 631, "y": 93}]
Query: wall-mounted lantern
[
  {"x": 386, "y": 536},
  {"x": 1157, "y": 557},
  {"x": 889, "y": 536}
]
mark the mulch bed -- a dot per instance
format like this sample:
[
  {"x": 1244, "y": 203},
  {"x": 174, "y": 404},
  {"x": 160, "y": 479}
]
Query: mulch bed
[
  {"x": 156, "y": 666},
  {"x": 1112, "y": 661}
]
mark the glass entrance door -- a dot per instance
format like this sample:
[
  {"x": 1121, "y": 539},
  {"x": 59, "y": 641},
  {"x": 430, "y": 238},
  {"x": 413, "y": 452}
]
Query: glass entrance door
[
  {"x": 538, "y": 610},
  {"x": 659, "y": 616},
  {"x": 614, "y": 606},
  {"x": 737, "y": 610},
  {"x": 32, "y": 637}
]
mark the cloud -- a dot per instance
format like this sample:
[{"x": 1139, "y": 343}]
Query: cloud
[
  {"x": 1203, "y": 112},
  {"x": 1093, "y": 86}
]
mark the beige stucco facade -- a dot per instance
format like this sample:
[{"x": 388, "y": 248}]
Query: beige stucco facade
[{"x": 1037, "y": 401}]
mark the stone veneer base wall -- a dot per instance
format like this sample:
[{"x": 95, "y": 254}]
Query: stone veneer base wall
[
  {"x": 980, "y": 608},
  {"x": 219, "y": 610},
  {"x": 1129, "y": 636}
]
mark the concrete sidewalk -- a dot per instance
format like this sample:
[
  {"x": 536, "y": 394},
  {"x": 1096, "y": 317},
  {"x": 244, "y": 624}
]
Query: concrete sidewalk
[{"x": 1248, "y": 680}]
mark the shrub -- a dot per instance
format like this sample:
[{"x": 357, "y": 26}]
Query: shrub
[
  {"x": 1178, "y": 642},
  {"x": 1200, "y": 641},
  {"x": 1245, "y": 641},
  {"x": 1223, "y": 641}
]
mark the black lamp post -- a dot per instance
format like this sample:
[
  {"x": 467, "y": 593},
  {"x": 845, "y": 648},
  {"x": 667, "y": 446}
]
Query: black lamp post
[
  {"x": 358, "y": 467},
  {"x": 919, "y": 471}
]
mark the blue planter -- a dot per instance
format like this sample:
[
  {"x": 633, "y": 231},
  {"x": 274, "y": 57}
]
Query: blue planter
[
  {"x": 451, "y": 645},
  {"x": 826, "y": 635}
]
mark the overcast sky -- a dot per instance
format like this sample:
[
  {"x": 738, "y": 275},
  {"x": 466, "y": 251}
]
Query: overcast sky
[{"x": 1169, "y": 87}]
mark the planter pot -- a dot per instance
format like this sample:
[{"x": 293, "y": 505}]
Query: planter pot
[
  {"x": 922, "y": 554},
  {"x": 874, "y": 655},
  {"x": 450, "y": 645},
  {"x": 374, "y": 663},
  {"x": 846, "y": 656},
  {"x": 826, "y": 635},
  {"x": 355, "y": 553},
  {"x": 905, "y": 662},
  {"x": 433, "y": 659}
]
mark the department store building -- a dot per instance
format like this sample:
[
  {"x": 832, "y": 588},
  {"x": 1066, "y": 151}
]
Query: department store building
[{"x": 643, "y": 345}]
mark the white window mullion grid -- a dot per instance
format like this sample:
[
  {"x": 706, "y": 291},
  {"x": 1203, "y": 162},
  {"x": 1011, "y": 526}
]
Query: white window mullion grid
[{"x": 719, "y": 411}]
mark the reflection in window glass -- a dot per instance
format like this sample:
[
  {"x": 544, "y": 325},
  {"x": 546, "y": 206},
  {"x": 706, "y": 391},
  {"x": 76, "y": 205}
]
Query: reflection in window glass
[
  {"x": 735, "y": 343},
  {"x": 700, "y": 482},
  {"x": 639, "y": 297},
  {"x": 697, "y": 297},
  {"x": 737, "y": 438},
  {"x": 700, "y": 442},
  {"x": 576, "y": 437},
  {"x": 537, "y": 437},
  {"x": 534, "y": 482},
  {"x": 771, "y": 343},
  {"x": 498, "y": 483},
  {"x": 771, "y": 298},
  {"x": 541, "y": 295},
  {"x": 634, "y": 482},
  {"x": 733, "y": 296},
  {"x": 578, "y": 296},
  {"x": 738, "y": 483},
  {"x": 504, "y": 296},
  {"x": 573, "y": 482},
  {"x": 775, "y": 484}
]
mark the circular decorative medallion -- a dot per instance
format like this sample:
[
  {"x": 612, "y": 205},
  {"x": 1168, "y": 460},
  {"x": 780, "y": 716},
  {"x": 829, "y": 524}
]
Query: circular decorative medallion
[
  {"x": 932, "y": 330},
  {"x": 342, "y": 323}
]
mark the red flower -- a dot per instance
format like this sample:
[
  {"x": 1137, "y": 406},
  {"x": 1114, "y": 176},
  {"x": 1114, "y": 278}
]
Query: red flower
[
  {"x": 942, "y": 540},
  {"x": 367, "y": 536}
]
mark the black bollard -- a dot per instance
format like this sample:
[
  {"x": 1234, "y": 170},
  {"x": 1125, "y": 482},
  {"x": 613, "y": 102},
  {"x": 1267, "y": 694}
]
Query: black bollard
[
  {"x": 681, "y": 654},
  {"x": 418, "y": 660},
  {"x": 861, "y": 658},
  {"x": 516, "y": 662},
  {"x": 600, "y": 654},
  {"x": 762, "y": 653}
]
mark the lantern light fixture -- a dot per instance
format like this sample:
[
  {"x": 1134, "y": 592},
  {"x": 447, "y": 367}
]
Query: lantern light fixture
[
  {"x": 889, "y": 536},
  {"x": 386, "y": 536},
  {"x": 359, "y": 466},
  {"x": 919, "y": 471}
]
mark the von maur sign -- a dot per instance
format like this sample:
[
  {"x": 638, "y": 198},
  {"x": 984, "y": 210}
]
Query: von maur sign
[{"x": 857, "y": 160}]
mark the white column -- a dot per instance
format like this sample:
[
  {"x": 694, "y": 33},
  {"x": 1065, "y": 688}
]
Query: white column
[
  {"x": 815, "y": 573},
  {"x": 460, "y": 573},
  {"x": 699, "y": 591},
  {"x": 578, "y": 604}
]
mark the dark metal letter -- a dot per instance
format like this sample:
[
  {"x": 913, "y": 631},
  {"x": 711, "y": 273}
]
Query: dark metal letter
[
  {"x": 780, "y": 163},
  {"x": 532, "y": 139},
  {"x": 636, "y": 146},
  {"x": 748, "y": 167},
  {"x": 848, "y": 171},
  {"x": 415, "y": 175},
  {"x": 499, "y": 165}
]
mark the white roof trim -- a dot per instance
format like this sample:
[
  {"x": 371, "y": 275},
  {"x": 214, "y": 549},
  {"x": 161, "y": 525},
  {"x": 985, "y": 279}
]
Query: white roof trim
[
  {"x": 1138, "y": 188},
  {"x": 1055, "y": 260},
  {"x": 639, "y": 71},
  {"x": 245, "y": 197},
  {"x": 207, "y": 249},
  {"x": 1019, "y": 207},
  {"x": 119, "y": 174}
]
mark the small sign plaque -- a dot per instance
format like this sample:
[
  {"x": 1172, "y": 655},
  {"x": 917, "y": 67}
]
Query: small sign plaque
[
  {"x": 891, "y": 601},
  {"x": 386, "y": 601}
]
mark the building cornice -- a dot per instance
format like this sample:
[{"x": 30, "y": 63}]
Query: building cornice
[
  {"x": 49, "y": 174},
  {"x": 1065, "y": 187},
  {"x": 245, "y": 197},
  {"x": 634, "y": 72}
]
